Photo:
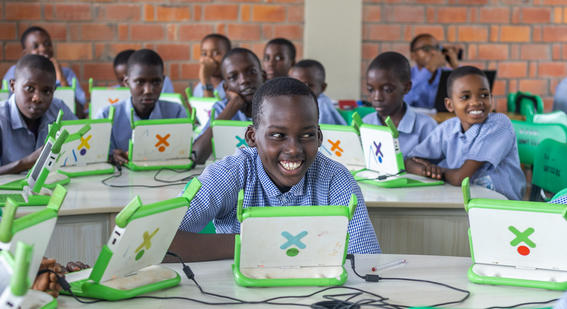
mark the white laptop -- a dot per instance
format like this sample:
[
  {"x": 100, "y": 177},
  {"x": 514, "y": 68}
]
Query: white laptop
[
  {"x": 14, "y": 270},
  {"x": 104, "y": 96},
  {"x": 67, "y": 95},
  {"x": 228, "y": 135},
  {"x": 202, "y": 107},
  {"x": 342, "y": 144},
  {"x": 161, "y": 143}
]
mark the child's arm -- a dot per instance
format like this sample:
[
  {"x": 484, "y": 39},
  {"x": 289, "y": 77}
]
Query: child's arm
[
  {"x": 119, "y": 156},
  {"x": 59, "y": 73},
  {"x": 193, "y": 247},
  {"x": 21, "y": 165},
  {"x": 207, "y": 67},
  {"x": 423, "y": 167},
  {"x": 455, "y": 176}
]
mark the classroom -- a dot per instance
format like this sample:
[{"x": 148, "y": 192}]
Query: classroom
[{"x": 156, "y": 153}]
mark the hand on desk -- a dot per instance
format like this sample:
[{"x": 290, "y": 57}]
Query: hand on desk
[
  {"x": 119, "y": 156},
  {"x": 47, "y": 281},
  {"x": 76, "y": 266},
  {"x": 423, "y": 167}
]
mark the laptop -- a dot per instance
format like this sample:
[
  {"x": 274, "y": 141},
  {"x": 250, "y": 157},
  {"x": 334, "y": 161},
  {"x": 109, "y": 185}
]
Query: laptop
[
  {"x": 31, "y": 193},
  {"x": 384, "y": 160},
  {"x": 442, "y": 89},
  {"x": 161, "y": 143},
  {"x": 103, "y": 96},
  {"x": 87, "y": 155},
  {"x": 67, "y": 95},
  {"x": 33, "y": 229},
  {"x": 516, "y": 242},
  {"x": 228, "y": 135},
  {"x": 13, "y": 276},
  {"x": 129, "y": 264},
  {"x": 291, "y": 246},
  {"x": 342, "y": 144},
  {"x": 202, "y": 107}
]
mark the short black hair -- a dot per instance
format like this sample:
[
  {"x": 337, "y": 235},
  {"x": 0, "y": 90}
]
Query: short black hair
[
  {"x": 276, "y": 87},
  {"x": 240, "y": 50},
  {"x": 393, "y": 62},
  {"x": 285, "y": 42},
  {"x": 145, "y": 57},
  {"x": 463, "y": 71},
  {"x": 122, "y": 57},
  {"x": 223, "y": 39},
  {"x": 28, "y": 31},
  {"x": 36, "y": 62},
  {"x": 419, "y": 37},
  {"x": 310, "y": 63}
]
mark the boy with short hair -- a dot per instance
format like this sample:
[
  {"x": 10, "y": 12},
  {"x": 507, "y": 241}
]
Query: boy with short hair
[
  {"x": 213, "y": 48},
  {"x": 145, "y": 79},
  {"x": 387, "y": 81},
  {"x": 120, "y": 66},
  {"x": 477, "y": 143},
  {"x": 279, "y": 56},
  {"x": 282, "y": 167},
  {"x": 243, "y": 75},
  {"x": 36, "y": 40},
  {"x": 312, "y": 73},
  {"x": 26, "y": 115}
]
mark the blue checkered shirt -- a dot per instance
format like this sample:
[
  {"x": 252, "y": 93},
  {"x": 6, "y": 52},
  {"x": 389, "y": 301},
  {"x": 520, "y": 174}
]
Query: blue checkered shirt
[
  {"x": 493, "y": 142},
  {"x": 560, "y": 200},
  {"x": 325, "y": 183}
]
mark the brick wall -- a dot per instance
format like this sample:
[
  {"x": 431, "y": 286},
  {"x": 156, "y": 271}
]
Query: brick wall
[
  {"x": 87, "y": 35},
  {"x": 525, "y": 40}
]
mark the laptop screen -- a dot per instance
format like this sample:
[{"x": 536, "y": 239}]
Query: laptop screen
[
  {"x": 91, "y": 148},
  {"x": 342, "y": 146},
  {"x": 161, "y": 142},
  {"x": 228, "y": 136},
  {"x": 381, "y": 150},
  {"x": 40, "y": 163}
]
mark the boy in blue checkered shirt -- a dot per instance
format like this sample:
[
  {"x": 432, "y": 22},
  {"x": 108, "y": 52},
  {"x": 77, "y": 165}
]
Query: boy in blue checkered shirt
[
  {"x": 283, "y": 167},
  {"x": 477, "y": 143}
]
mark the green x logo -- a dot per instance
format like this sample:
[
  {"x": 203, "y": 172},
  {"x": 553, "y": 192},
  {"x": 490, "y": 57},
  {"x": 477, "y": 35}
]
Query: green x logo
[{"x": 522, "y": 236}]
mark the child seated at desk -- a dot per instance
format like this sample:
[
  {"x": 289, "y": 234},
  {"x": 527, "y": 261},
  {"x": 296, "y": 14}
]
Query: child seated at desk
[
  {"x": 27, "y": 114},
  {"x": 279, "y": 56},
  {"x": 213, "y": 48},
  {"x": 282, "y": 167},
  {"x": 242, "y": 73},
  {"x": 312, "y": 73},
  {"x": 477, "y": 143},
  {"x": 36, "y": 40},
  {"x": 388, "y": 79},
  {"x": 120, "y": 66},
  {"x": 145, "y": 79}
]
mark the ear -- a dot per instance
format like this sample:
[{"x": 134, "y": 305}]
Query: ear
[
  {"x": 449, "y": 105},
  {"x": 12, "y": 85},
  {"x": 407, "y": 87},
  {"x": 320, "y": 133},
  {"x": 264, "y": 76},
  {"x": 250, "y": 136},
  {"x": 125, "y": 80},
  {"x": 323, "y": 87}
]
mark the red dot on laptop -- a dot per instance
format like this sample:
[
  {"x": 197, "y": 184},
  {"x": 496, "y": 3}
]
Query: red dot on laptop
[
  {"x": 161, "y": 149},
  {"x": 523, "y": 250}
]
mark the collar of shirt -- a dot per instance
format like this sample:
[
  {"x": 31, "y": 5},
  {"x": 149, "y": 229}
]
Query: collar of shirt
[
  {"x": 472, "y": 132},
  {"x": 270, "y": 188},
  {"x": 407, "y": 123},
  {"x": 155, "y": 114},
  {"x": 16, "y": 120}
]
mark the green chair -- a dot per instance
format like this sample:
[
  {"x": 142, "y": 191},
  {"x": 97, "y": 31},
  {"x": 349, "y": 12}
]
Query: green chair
[
  {"x": 550, "y": 169},
  {"x": 529, "y": 135},
  {"x": 361, "y": 110},
  {"x": 525, "y": 103},
  {"x": 553, "y": 117}
]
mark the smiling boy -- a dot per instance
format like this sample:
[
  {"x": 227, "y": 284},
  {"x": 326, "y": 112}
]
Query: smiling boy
[
  {"x": 282, "y": 167},
  {"x": 145, "y": 80}
]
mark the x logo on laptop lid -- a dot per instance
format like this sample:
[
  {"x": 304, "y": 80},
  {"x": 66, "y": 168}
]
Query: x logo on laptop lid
[{"x": 522, "y": 237}]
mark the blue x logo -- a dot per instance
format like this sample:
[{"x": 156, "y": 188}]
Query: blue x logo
[
  {"x": 293, "y": 240},
  {"x": 241, "y": 142}
]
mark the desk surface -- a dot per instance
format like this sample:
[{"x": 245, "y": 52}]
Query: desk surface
[{"x": 216, "y": 277}]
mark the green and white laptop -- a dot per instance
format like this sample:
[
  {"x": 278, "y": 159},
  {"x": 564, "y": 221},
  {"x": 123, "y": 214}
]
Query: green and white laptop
[
  {"x": 31, "y": 193},
  {"x": 67, "y": 95},
  {"x": 291, "y": 246},
  {"x": 129, "y": 264},
  {"x": 342, "y": 144},
  {"x": 87, "y": 155},
  {"x": 202, "y": 107},
  {"x": 228, "y": 135},
  {"x": 34, "y": 229},
  {"x": 14, "y": 276},
  {"x": 384, "y": 159},
  {"x": 517, "y": 243},
  {"x": 103, "y": 96},
  {"x": 161, "y": 143}
]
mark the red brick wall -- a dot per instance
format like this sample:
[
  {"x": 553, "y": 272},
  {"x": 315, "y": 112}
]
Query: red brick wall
[
  {"x": 87, "y": 35},
  {"x": 525, "y": 40}
]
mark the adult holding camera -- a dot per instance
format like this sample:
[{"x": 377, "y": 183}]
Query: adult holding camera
[{"x": 430, "y": 58}]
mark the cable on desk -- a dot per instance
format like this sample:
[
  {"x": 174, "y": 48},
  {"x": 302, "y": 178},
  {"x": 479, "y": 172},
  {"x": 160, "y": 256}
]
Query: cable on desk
[
  {"x": 116, "y": 175},
  {"x": 67, "y": 287},
  {"x": 184, "y": 179}
]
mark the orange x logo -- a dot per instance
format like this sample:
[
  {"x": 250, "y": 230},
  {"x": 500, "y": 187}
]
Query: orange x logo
[
  {"x": 335, "y": 146},
  {"x": 162, "y": 140},
  {"x": 112, "y": 101}
]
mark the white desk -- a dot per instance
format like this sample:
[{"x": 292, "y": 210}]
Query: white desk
[{"x": 216, "y": 277}]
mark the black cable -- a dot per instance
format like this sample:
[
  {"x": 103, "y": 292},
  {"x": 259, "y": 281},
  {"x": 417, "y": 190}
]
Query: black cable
[
  {"x": 116, "y": 175},
  {"x": 524, "y": 304},
  {"x": 67, "y": 287},
  {"x": 187, "y": 178}
]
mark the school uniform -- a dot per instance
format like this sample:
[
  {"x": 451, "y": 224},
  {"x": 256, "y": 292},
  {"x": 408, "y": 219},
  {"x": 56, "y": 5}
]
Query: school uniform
[
  {"x": 493, "y": 142},
  {"x": 198, "y": 90},
  {"x": 16, "y": 140},
  {"x": 122, "y": 127},
  {"x": 219, "y": 106},
  {"x": 325, "y": 183},
  {"x": 422, "y": 93},
  {"x": 414, "y": 128},
  {"x": 80, "y": 96},
  {"x": 327, "y": 112},
  {"x": 560, "y": 200}
]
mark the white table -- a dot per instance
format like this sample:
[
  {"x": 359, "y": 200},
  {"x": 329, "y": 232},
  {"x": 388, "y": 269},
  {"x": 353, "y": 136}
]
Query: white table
[{"x": 216, "y": 277}]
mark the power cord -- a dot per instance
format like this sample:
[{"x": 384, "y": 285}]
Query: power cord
[
  {"x": 67, "y": 287},
  {"x": 167, "y": 182}
]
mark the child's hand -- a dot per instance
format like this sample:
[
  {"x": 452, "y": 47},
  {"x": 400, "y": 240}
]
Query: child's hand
[
  {"x": 208, "y": 66},
  {"x": 435, "y": 61},
  {"x": 47, "y": 281},
  {"x": 237, "y": 101},
  {"x": 59, "y": 73},
  {"x": 119, "y": 156},
  {"x": 428, "y": 169},
  {"x": 76, "y": 266}
]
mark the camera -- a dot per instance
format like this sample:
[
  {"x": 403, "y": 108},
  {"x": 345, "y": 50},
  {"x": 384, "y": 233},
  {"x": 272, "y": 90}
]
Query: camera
[{"x": 459, "y": 54}]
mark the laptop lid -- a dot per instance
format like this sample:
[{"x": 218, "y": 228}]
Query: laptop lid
[
  {"x": 103, "y": 96},
  {"x": 161, "y": 139},
  {"x": 342, "y": 144},
  {"x": 228, "y": 135},
  {"x": 140, "y": 238},
  {"x": 202, "y": 107},
  {"x": 34, "y": 229},
  {"x": 14, "y": 269},
  {"x": 442, "y": 89},
  {"x": 67, "y": 95},
  {"x": 381, "y": 148}
]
